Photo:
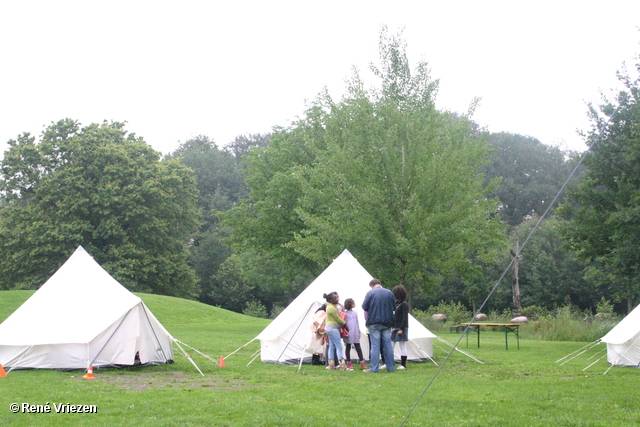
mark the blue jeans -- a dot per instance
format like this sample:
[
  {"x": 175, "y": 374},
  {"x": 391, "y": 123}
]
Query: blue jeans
[
  {"x": 380, "y": 335},
  {"x": 335, "y": 342}
]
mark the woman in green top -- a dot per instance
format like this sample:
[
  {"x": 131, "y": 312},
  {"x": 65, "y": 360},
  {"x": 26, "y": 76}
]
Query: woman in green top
[{"x": 332, "y": 329}]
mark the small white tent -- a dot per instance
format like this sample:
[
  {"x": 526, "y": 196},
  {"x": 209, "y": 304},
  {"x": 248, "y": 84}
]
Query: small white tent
[
  {"x": 623, "y": 341},
  {"x": 82, "y": 317},
  {"x": 288, "y": 337}
]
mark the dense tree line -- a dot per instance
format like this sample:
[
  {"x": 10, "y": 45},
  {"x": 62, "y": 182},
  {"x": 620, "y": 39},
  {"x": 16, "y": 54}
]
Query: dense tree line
[{"x": 420, "y": 196}]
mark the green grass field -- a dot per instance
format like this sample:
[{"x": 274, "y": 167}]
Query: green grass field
[{"x": 513, "y": 388}]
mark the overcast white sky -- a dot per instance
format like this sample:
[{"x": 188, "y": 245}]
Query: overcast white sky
[{"x": 175, "y": 70}]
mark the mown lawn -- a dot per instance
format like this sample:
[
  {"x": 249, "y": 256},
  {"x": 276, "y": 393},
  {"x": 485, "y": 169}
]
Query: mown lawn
[{"x": 513, "y": 388}]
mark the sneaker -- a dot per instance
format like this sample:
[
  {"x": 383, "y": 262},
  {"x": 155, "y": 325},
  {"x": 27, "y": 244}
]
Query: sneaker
[
  {"x": 382, "y": 367},
  {"x": 400, "y": 367}
]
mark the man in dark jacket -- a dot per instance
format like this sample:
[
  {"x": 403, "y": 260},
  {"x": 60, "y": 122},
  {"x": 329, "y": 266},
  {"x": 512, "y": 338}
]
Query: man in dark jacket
[{"x": 379, "y": 304}]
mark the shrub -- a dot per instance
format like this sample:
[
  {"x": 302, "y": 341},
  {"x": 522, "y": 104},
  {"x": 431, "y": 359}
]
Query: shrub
[
  {"x": 456, "y": 312},
  {"x": 255, "y": 309},
  {"x": 534, "y": 312},
  {"x": 275, "y": 311},
  {"x": 604, "y": 306}
]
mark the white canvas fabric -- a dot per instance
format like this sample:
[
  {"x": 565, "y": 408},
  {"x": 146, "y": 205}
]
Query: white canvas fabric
[
  {"x": 288, "y": 337},
  {"x": 82, "y": 317},
  {"x": 623, "y": 341}
]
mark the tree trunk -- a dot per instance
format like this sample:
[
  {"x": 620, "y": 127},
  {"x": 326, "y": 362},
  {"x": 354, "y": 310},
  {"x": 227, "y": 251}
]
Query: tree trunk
[{"x": 516, "y": 307}]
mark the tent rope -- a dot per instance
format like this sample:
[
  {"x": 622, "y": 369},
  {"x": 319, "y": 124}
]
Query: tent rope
[
  {"x": 593, "y": 344},
  {"x": 580, "y": 349},
  {"x": 187, "y": 356},
  {"x": 257, "y": 353},
  {"x": 196, "y": 350},
  {"x": 241, "y": 347}
]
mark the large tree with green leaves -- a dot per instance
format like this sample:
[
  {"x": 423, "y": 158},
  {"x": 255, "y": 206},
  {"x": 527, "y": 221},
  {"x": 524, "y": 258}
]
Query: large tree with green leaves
[
  {"x": 382, "y": 173},
  {"x": 220, "y": 185},
  {"x": 605, "y": 207},
  {"x": 531, "y": 175},
  {"x": 105, "y": 189}
]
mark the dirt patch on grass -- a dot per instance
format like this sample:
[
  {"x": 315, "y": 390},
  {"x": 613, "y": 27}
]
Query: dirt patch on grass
[{"x": 139, "y": 381}]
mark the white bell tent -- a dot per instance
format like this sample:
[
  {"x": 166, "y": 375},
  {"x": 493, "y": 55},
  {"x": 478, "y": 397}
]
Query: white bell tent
[
  {"x": 288, "y": 338},
  {"x": 82, "y": 317},
  {"x": 623, "y": 341}
]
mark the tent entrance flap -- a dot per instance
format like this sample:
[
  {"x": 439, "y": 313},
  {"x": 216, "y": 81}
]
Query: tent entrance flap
[
  {"x": 108, "y": 340},
  {"x": 296, "y": 331}
]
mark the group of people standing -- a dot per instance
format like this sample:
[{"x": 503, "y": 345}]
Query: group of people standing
[{"x": 387, "y": 320}]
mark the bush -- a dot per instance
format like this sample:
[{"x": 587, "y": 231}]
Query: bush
[
  {"x": 604, "y": 306},
  {"x": 275, "y": 311},
  {"x": 456, "y": 312},
  {"x": 566, "y": 323},
  {"x": 255, "y": 309},
  {"x": 533, "y": 312}
]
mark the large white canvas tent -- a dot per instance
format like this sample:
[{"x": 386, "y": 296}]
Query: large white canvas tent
[
  {"x": 288, "y": 337},
  {"x": 82, "y": 317},
  {"x": 623, "y": 341}
]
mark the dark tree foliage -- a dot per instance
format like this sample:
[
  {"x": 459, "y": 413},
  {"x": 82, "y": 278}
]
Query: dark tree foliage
[
  {"x": 218, "y": 173},
  {"x": 102, "y": 188},
  {"x": 604, "y": 214},
  {"x": 532, "y": 173}
]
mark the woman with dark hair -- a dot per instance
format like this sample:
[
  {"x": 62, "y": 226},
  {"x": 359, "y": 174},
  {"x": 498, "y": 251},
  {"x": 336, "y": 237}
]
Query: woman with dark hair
[
  {"x": 332, "y": 329},
  {"x": 400, "y": 331}
]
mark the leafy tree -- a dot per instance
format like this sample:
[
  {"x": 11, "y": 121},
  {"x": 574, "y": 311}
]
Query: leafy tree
[
  {"x": 220, "y": 186},
  {"x": 550, "y": 274},
  {"x": 531, "y": 175},
  {"x": 382, "y": 173},
  {"x": 102, "y": 188},
  {"x": 242, "y": 145},
  {"x": 605, "y": 213}
]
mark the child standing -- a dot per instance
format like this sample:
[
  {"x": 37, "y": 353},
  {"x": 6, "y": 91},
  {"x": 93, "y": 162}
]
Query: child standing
[
  {"x": 354, "y": 333},
  {"x": 400, "y": 331}
]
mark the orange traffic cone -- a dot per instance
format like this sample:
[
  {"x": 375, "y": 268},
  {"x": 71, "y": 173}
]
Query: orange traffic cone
[
  {"x": 89, "y": 375},
  {"x": 221, "y": 362},
  {"x": 2, "y": 372}
]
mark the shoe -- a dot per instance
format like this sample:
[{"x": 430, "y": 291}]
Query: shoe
[
  {"x": 349, "y": 366},
  {"x": 363, "y": 365},
  {"x": 343, "y": 365},
  {"x": 401, "y": 367},
  {"x": 369, "y": 371},
  {"x": 331, "y": 365},
  {"x": 382, "y": 367}
]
